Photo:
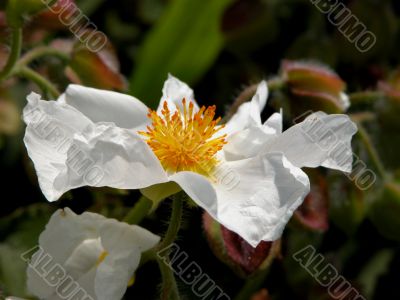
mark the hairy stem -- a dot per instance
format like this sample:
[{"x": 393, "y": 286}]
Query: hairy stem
[
  {"x": 45, "y": 85},
  {"x": 366, "y": 139},
  {"x": 139, "y": 211},
  {"x": 40, "y": 52},
  {"x": 16, "y": 46},
  {"x": 252, "y": 285},
  {"x": 169, "y": 289}
]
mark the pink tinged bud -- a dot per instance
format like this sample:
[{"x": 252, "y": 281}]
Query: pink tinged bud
[
  {"x": 314, "y": 86},
  {"x": 234, "y": 251},
  {"x": 85, "y": 65},
  {"x": 60, "y": 15}
]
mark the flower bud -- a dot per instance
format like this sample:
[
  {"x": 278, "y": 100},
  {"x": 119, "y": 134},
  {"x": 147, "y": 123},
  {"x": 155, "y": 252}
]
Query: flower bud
[
  {"x": 58, "y": 16},
  {"x": 385, "y": 210},
  {"x": 85, "y": 66},
  {"x": 235, "y": 252},
  {"x": 313, "y": 213},
  {"x": 314, "y": 87}
]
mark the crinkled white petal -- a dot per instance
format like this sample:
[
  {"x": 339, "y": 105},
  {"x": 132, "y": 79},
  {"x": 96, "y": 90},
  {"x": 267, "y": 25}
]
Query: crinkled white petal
[
  {"x": 99, "y": 254},
  {"x": 246, "y": 143},
  {"x": 106, "y": 155},
  {"x": 174, "y": 91},
  {"x": 107, "y": 106},
  {"x": 250, "y": 141},
  {"x": 70, "y": 151},
  {"x": 249, "y": 113},
  {"x": 50, "y": 128},
  {"x": 320, "y": 140},
  {"x": 253, "y": 197}
]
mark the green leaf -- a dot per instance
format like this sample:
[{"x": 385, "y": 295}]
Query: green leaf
[{"x": 185, "y": 42}]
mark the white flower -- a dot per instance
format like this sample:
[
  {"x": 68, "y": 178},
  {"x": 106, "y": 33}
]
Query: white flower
[
  {"x": 86, "y": 255},
  {"x": 246, "y": 175}
]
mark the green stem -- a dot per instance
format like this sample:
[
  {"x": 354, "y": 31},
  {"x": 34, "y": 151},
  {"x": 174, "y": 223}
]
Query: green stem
[
  {"x": 276, "y": 84},
  {"x": 40, "y": 52},
  {"x": 366, "y": 139},
  {"x": 147, "y": 256},
  {"x": 175, "y": 221},
  {"x": 252, "y": 285},
  {"x": 169, "y": 288},
  {"x": 16, "y": 46},
  {"x": 139, "y": 211},
  {"x": 365, "y": 97},
  {"x": 44, "y": 84}
]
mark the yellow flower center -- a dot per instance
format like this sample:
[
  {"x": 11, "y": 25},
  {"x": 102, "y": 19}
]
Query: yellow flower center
[{"x": 183, "y": 141}]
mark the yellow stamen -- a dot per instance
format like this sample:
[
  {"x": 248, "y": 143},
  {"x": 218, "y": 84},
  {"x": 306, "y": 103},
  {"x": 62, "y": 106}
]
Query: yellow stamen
[
  {"x": 184, "y": 141},
  {"x": 102, "y": 256}
]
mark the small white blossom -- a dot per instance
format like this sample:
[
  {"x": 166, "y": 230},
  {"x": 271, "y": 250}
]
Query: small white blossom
[{"x": 88, "y": 255}]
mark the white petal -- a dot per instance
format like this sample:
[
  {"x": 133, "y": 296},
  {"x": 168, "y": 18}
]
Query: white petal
[
  {"x": 199, "y": 189},
  {"x": 246, "y": 143},
  {"x": 124, "y": 244},
  {"x": 274, "y": 124},
  {"x": 249, "y": 113},
  {"x": 320, "y": 140},
  {"x": 107, "y": 106},
  {"x": 174, "y": 91},
  {"x": 84, "y": 257},
  {"x": 76, "y": 242},
  {"x": 250, "y": 141},
  {"x": 50, "y": 128},
  {"x": 106, "y": 155},
  {"x": 266, "y": 191},
  {"x": 62, "y": 235}
]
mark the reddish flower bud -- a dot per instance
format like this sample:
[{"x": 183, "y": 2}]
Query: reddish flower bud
[
  {"x": 62, "y": 14},
  {"x": 85, "y": 67},
  {"x": 314, "y": 87},
  {"x": 313, "y": 213},
  {"x": 234, "y": 251}
]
